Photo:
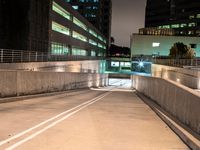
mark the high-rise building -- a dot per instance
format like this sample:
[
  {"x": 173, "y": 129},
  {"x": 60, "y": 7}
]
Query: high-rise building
[
  {"x": 50, "y": 26},
  {"x": 181, "y": 15},
  {"x": 97, "y": 12}
]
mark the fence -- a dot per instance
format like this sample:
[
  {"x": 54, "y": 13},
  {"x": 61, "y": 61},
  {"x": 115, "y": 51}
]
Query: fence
[
  {"x": 14, "y": 56},
  {"x": 178, "y": 62}
]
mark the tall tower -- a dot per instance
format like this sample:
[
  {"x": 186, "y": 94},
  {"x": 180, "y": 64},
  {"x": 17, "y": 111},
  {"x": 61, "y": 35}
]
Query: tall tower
[
  {"x": 97, "y": 12},
  {"x": 181, "y": 15}
]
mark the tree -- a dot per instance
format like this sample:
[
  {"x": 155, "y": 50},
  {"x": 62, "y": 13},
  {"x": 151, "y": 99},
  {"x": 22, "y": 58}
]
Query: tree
[
  {"x": 112, "y": 40},
  {"x": 180, "y": 50}
]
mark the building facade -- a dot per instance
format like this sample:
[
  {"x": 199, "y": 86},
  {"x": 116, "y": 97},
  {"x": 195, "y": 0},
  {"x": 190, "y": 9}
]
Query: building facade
[
  {"x": 181, "y": 15},
  {"x": 151, "y": 45},
  {"x": 51, "y": 26},
  {"x": 97, "y": 12},
  {"x": 24, "y": 24}
]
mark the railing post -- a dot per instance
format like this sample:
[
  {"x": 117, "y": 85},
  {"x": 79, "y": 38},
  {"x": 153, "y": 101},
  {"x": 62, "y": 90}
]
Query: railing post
[
  {"x": 1, "y": 55},
  {"x": 21, "y": 56},
  {"x": 12, "y": 56},
  {"x": 36, "y": 55},
  {"x": 29, "y": 56},
  {"x": 42, "y": 56}
]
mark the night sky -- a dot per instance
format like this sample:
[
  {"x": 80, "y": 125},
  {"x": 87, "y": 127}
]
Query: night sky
[{"x": 127, "y": 17}]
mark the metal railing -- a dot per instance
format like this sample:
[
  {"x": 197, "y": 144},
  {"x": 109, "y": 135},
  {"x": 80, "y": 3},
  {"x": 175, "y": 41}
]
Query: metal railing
[
  {"x": 16, "y": 56},
  {"x": 178, "y": 62}
]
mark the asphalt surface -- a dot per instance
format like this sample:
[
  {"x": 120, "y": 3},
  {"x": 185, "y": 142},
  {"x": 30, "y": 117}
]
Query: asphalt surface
[{"x": 111, "y": 118}]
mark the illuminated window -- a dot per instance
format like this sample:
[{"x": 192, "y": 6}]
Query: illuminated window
[
  {"x": 57, "y": 8},
  {"x": 100, "y": 54},
  {"x": 79, "y": 36},
  {"x": 60, "y": 28},
  {"x": 198, "y": 15},
  {"x": 114, "y": 64},
  {"x": 100, "y": 38},
  {"x": 154, "y": 44},
  {"x": 183, "y": 25},
  {"x": 192, "y": 24},
  {"x": 93, "y": 53},
  {"x": 79, "y": 23},
  {"x": 166, "y": 26},
  {"x": 75, "y": 7},
  {"x": 175, "y": 26},
  {"x": 78, "y": 51},
  {"x": 93, "y": 33},
  {"x": 191, "y": 17},
  {"x": 100, "y": 45},
  {"x": 92, "y": 42},
  {"x": 59, "y": 49}
]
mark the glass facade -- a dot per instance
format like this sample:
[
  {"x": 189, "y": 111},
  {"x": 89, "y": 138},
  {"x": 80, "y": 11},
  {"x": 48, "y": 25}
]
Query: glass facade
[
  {"x": 60, "y": 28},
  {"x": 78, "y": 52},
  {"x": 58, "y": 9},
  {"x": 61, "y": 49},
  {"x": 79, "y": 23},
  {"x": 79, "y": 36}
]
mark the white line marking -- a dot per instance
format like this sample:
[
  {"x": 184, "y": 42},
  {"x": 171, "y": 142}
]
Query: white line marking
[
  {"x": 53, "y": 124},
  {"x": 44, "y": 122}
]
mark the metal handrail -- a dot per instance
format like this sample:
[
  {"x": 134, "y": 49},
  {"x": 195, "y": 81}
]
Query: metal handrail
[
  {"x": 17, "y": 56},
  {"x": 178, "y": 62}
]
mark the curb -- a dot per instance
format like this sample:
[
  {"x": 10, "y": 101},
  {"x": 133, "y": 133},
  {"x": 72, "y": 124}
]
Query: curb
[{"x": 190, "y": 138}]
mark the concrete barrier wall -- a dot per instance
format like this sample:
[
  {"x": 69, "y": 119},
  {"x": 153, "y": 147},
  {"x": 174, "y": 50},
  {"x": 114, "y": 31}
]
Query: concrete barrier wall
[
  {"x": 92, "y": 66},
  {"x": 187, "y": 77},
  {"x": 16, "y": 83},
  {"x": 180, "y": 101}
]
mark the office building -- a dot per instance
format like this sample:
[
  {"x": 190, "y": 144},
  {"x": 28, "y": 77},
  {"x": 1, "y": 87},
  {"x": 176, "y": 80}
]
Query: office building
[
  {"x": 160, "y": 45},
  {"x": 97, "y": 12},
  {"x": 51, "y": 26},
  {"x": 181, "y": 15}
]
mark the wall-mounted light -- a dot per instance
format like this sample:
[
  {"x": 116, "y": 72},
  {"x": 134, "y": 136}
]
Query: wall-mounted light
[
  {"x": 155, "y": 44},
  {"x": 141, "y": 64}
]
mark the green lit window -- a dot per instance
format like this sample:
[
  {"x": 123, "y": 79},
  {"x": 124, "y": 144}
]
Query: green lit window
[
  {"x": 104, "y": 41},
  {"x": 100, "y": 45},
  {"x": 79, "y": 36},
  {"x": 175, "y": 25},
  {"x": 191, "y": 17},
  {"x": 100, "y": 38},
  {"x": 93, "y": 53},
  {"x": 198, "y": 15},
  {"x": 59, "y": 49},
  {"x": 192, "y": 24},
  {"x": 60, "y": 28},
  {"x": 57, "y": 8},
  {"x": 93, "y": 33},
  {"x": 79, "y": 23},
  {"x": 166, "y": 26},
  {"x": 92, "y": 42},
  {"x": 183, "y": 25},
  {"x": 79, "y": 52}
]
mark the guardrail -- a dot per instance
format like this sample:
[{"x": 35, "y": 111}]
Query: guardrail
[
  {"x": 15, "y": 56},
  {"x": 177, "y": 62}
]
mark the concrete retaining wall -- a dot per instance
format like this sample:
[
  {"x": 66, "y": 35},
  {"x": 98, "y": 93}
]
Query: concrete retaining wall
[
  {"x": 187, "y": 77},
  {"x": 16, "y": 83},
  {"x": 93, "y": 66},
  {"x": 181, "y": 102}
]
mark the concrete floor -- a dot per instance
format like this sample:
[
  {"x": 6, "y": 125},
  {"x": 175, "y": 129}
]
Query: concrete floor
[{"x": 105, "y": 119}]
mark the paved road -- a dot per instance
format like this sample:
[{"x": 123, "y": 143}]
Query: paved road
[{"x": 97, "y": 119}]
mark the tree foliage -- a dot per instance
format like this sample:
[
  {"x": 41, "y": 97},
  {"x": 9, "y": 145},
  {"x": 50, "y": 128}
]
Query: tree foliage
[
  {"x": 118, "y": 51},
  {"x": 181, "y": 51}
]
